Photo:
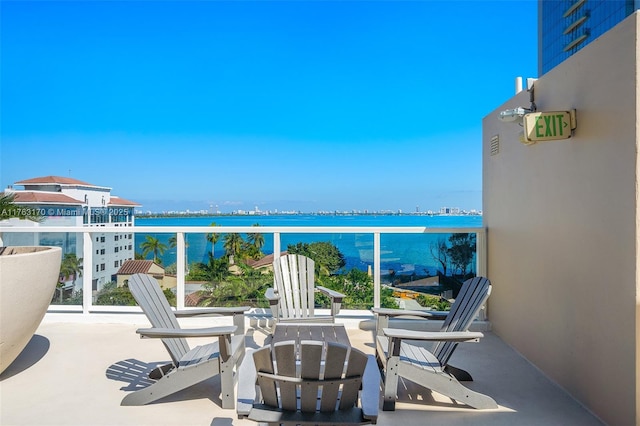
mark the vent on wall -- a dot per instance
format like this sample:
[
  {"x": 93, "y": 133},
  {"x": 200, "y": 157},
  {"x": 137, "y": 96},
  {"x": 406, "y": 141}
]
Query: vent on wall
[{"x": 495, "y": 145}]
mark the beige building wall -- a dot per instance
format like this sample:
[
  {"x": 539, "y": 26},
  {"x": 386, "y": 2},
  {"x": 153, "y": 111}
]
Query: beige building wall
[{"x": 562, "y": 220}]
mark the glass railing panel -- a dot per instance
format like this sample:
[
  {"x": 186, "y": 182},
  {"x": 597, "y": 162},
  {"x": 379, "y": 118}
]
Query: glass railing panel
[
  {"x": 123, "y": 248},
  {"x": 70, "y": 282},
  {"x": 426, "y": 270},
  {"x": 223, "y": 269},
  {"x": 412, "y": 263},
  {"x": 344, "y": 262}
]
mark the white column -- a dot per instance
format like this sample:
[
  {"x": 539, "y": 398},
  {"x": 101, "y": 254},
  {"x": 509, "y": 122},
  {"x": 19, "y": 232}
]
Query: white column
[
  {"x": 376, "y": 270},
  {"x": 180, "y": 270},
  {"x": 87, "y": 272},
  {"x": 276, "y": 245}
]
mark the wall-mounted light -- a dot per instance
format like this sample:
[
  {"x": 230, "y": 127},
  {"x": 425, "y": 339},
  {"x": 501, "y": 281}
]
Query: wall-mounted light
[
  {"x": 517, "y": 114},
  {"x": 514, "y": 114}
]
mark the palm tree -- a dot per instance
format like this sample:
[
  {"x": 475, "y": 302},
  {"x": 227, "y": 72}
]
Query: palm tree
[
  {"x": 256, "y": 239},
  {"x": 153, "y": 245},
  {"x": 71, "y": 266},
  {"x": 9, "y": 209},
  {"x": 213, "y": 238},
  {"x": 233, "y": 244}
]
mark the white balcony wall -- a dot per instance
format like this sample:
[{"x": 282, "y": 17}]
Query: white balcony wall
[{"x": 562, "y": 219}]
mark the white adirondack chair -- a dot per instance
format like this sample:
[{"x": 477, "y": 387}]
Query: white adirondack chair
[
  {"x": 292, "y": 298},
  {"x": 322, "y": 388},
  {"x": 403, "y": 353},
  {"x": 188, "y": 366}
]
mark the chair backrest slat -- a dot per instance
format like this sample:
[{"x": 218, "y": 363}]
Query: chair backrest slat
[
  {"x": 294, "y": 281},
  {"x": 285, "y": 365},
  {"x": 310, "y": 363},
  {"x": 146, "y": 290},
  {"x": 329, "y": 377},
  {"x": 473, "y": 294},
  {"x": 337, "y": 354},
  {"x": 264, "y": 362}
]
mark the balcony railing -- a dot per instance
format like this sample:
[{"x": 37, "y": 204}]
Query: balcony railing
[{"x": 376, "y": 241}]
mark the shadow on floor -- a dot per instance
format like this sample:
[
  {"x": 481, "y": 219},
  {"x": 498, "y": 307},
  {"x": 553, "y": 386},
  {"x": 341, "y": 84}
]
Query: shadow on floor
[{"x": 35, "y": 350}]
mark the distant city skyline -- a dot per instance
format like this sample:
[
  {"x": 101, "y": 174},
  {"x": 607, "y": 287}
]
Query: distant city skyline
[{"x": 289, "y": 106}]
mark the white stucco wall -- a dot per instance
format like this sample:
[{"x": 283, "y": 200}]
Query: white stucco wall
[{"x": 562, "y": 219}]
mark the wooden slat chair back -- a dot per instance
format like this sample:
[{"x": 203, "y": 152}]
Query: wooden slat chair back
[
  {"x": 322, "y": 388},
  {"x": 294, "y": 278},
  {"x": 473, "y": 294},
  {"x": 154, "y": 304}
]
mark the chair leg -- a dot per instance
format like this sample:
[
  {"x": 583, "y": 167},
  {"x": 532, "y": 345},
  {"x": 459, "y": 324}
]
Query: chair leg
[
  {"x": 227, "y": 392},
  {"x": 390, "y": 384}
]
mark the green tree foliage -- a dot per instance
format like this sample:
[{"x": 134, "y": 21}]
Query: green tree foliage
[
  {"x": 462, "y": 250},
  {"x": 233, "y": 244},
  {"x": 328, "y": 259},
  {"x": 457, "y": 251},
  {"x": 213, "y": 239},
  {"x": 112, "y": 295},
  {"x": 253, "y": 247},
  {"x": 246, "y": 288},
  {"x": 440, "y": 253},
  {"x": 70, "y": 267},
  {"x": 153, "y": 245},
  {"x": 357, "y": 286},
  {"x": 9, "y": 209},
  {"x": 433, "y": 302}
]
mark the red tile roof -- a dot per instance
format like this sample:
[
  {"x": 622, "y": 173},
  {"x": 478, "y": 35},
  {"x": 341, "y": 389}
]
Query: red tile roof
[
  {"x": 131, "y": 267},
  {"x": 192, "y": 299},
  {"x": 117, "y": 201},
  {"x": 44, "y": 197},
  {"x": 53, "y": 179},
  {"x": 265, "y": 261}
]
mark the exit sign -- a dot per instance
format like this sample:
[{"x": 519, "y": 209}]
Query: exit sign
[{"x": 549, "y": 126}]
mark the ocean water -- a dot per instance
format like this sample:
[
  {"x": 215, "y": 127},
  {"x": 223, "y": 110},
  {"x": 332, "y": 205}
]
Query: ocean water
[{"x": 405, "y": 254}]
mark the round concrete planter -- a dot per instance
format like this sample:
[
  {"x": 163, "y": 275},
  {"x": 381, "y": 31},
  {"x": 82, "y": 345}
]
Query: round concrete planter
[{"x": 28, "y": 278}]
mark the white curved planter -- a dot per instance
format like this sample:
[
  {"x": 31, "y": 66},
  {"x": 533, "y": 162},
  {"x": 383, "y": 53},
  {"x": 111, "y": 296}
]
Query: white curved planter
[{"x": 28, "y": 278}]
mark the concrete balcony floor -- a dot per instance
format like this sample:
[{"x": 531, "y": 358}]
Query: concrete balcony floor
[{"x": 61, "y": 379}]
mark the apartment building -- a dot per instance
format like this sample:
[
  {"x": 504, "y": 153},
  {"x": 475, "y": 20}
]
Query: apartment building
[
  {"x": 566, "y": 26},
  {"x": 64, "y": 201}
]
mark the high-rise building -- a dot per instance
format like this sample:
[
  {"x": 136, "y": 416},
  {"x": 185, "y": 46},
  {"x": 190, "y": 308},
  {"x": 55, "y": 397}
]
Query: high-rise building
[
  {"x": 63, "y": 201},
  {"x": 566, "y": 26}
]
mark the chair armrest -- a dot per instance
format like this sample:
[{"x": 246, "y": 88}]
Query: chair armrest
[
  {"x": 370, "y": 395},
  {"x": 182, "y": 333},
  {"x": 434, "y": 336},
  {"x": 384, "y": 314},
  {"x": 336, "y": 299},
  {"x": 274, "y": 302},
  {"x": 271, "y": 296},
  {"x": 331, "y": 293},
  {"x": 246, "y": 385},
  {"x": 211, "y": 312},
  {"x": 237, "y": 312},
  {"x": 410, "y": 313}
]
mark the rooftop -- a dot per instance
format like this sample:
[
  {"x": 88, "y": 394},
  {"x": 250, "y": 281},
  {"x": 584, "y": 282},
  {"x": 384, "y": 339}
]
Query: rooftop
[{"x": 62, "y": 378}]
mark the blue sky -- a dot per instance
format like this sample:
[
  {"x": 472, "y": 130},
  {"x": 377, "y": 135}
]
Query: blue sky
[{"x": 288, "y": 105}]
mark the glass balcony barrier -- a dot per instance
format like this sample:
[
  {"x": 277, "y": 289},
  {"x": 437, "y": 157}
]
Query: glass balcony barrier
[{"x": 395, "y": 267}]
